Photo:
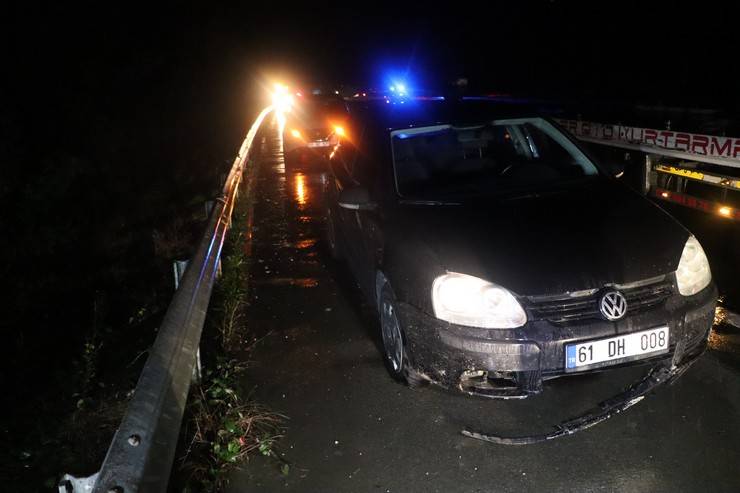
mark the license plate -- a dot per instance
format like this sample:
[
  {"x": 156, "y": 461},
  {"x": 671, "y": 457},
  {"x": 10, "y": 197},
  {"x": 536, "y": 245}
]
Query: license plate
[
  {"x": 319, "y": 144},
  {"x": 613, "y": 349}
]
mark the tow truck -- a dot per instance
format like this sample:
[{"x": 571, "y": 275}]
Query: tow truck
[{"x": 697, "y": 171}]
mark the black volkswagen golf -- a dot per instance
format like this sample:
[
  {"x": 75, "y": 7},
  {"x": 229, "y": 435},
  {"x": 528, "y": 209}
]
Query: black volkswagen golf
[{"x": 500, "y": 254}]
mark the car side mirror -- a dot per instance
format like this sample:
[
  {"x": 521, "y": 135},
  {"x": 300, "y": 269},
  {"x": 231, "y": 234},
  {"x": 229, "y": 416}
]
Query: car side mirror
[
  {"x": 355, "y": 198},
  {"x": 615, "y": 168}
]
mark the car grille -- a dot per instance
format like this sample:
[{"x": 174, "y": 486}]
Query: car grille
[
  {"x": 563, "y": 309},
  {"x": 314, "y": 134}
]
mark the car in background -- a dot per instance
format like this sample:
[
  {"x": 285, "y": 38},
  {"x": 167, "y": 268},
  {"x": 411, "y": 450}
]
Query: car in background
[
  {"x": 312, "y": 127},
  {"x": 499, "y": 254}
]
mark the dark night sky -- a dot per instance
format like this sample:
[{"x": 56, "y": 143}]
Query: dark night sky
[
  {"x": 202, "y": 70},
  {"x": 618, "y": 50}
]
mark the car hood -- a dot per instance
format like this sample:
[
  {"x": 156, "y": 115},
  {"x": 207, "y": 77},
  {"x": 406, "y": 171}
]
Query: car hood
[{"x": 563, "y": 241}]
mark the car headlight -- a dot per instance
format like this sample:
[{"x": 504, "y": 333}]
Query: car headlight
[
  {"x": 467, "y": 300},
  {"x": 693, "y": 272}
]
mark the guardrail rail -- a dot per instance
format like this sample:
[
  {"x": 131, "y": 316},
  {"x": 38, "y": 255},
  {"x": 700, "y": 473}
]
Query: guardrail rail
[{"x": 141, "y": 454}]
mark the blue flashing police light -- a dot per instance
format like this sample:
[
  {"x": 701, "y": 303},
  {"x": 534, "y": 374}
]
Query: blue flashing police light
[{"x": 399, "y": 89}]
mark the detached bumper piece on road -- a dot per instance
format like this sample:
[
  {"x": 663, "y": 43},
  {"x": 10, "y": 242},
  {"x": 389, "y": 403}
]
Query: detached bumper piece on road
[
  {"x": 512, "y": 364},
  {"x": 657, "y": 376}
]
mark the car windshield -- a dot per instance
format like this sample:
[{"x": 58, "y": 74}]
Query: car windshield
[
  {"x": 505, "y": 155},
  {"x": 318, "y": 111}
]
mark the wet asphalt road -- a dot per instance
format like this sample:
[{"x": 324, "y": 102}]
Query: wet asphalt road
[{"x": 351, "y": 428}]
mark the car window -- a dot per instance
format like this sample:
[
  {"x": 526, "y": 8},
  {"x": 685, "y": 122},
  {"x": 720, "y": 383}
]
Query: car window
[
  {"x": 503, "y": 155},
  {"x": 352, "y": 155},
  {"x": 322, "y": 108},
  {"x": 317, "y": 113},
  {"x": 345, "y": 156}
]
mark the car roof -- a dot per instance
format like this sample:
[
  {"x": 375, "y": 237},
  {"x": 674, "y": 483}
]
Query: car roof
[{"x": 387, "y": 115}]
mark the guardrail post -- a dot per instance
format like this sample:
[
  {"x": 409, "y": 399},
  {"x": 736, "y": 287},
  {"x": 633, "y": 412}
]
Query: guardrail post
[
  {"x": 197, "y": 370},
  {"x": 208, "y": 205},
  {"x": 178, "y": 269},
  {"x": 71, "y": 484}
]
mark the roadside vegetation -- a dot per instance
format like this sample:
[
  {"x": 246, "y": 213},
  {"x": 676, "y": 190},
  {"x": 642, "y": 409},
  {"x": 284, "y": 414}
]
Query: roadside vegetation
[
  {"x": 98, "y": 200},
  {"x": 224, "y": 426},
  {"x": 77, "y": 355},
  {"x": 108, "y": 151}
]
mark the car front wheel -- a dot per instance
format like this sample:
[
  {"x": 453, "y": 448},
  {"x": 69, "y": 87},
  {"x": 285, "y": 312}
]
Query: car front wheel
[{"x": 395, "y": 351}]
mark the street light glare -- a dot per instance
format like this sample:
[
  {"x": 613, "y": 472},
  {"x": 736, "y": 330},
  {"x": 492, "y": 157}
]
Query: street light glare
[{"x": 282, "y": 100}]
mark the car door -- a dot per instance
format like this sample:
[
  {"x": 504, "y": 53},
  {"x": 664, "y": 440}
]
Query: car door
[{"x": 360, "y": 229}]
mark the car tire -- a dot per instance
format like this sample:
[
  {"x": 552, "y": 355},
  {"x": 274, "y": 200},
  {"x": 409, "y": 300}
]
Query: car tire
[{"x": 395, "y": 350}]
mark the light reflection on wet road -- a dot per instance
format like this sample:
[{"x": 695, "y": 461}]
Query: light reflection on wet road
[
  {"x": 352, "y": 428},
  {"x": 301, "y": 191}
]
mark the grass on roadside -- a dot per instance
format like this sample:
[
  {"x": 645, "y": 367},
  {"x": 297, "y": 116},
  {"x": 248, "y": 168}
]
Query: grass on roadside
[
  {"x": 223, "y": 428},
  {"x": 226, "y": 430}
]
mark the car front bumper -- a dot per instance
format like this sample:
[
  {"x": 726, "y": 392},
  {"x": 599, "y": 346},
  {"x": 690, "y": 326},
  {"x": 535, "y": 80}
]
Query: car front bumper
[
  {"x": 318, "y": 145},
  {"x": 514, "y": 363}
]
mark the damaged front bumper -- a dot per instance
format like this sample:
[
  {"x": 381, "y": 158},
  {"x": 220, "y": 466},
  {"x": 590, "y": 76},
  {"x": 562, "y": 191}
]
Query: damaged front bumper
[
  {"x": 513, "y": 364},
  {"x": 658, "y": 375}
]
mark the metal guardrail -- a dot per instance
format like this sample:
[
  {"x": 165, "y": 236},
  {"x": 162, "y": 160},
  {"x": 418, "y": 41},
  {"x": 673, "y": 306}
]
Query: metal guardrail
[{"x": 141, "y": 454}]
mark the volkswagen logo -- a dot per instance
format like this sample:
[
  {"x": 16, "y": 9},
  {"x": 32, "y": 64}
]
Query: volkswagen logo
[{"x": 613, "y": 305}]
